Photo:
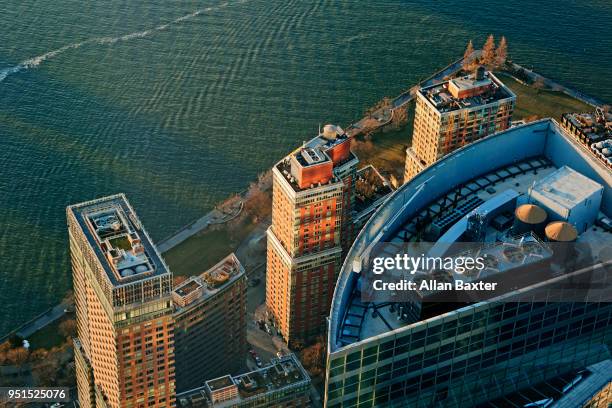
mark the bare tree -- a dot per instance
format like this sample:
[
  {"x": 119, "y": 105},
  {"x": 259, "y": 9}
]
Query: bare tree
[
  {"x": 45, "y": 373},
  {"x": 501, "y": 53},
  {"x": 68, "y": 328},
  {"x": 18, "y": 356},
  {"x": 258, "y": 204},
  {"x": 385, "y": 104},
  {"x": 313, "y": 357},
  {"x": 539, "y": 84},
  {"x": 488, "y": 51},
  {"x": 468, "y": 62},
  {"x": 178, "y": 279}
]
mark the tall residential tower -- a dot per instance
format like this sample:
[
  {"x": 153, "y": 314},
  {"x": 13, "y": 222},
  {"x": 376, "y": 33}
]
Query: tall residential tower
[
  {"x": 313, "y": 195},
  {"x": 124, "y": 351},
  {"x": 454, "y": 113}
]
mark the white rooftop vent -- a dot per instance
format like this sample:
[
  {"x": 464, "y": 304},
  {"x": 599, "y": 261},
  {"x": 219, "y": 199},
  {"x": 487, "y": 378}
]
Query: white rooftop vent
[
  {"x": 127, "y": 272},
  {"x": 141, "y": 268}
]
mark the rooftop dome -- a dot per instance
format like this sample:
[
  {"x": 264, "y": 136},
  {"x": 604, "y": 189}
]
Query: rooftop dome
[
  {"x": 561, "y": 231},
  {"x": 530, "y": 214}
]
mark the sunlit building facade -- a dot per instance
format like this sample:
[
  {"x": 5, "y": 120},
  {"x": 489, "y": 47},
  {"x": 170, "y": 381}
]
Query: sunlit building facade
[
  {"x": 454, "y": 113},
  {"x": 124, "y": 351},
  {"x": 313, "y": 195}
]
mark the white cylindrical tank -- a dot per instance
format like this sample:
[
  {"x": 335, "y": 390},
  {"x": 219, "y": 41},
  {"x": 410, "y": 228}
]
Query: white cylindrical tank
[{"x": 330, "y": 132}]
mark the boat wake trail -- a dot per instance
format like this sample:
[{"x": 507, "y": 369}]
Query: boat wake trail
[{"x": 36, "y": 61}]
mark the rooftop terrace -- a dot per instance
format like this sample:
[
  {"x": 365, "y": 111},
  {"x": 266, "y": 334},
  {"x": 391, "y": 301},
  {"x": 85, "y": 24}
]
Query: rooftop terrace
[
  {"x": 282, "y": 373},
  {"x": 370, "y": 188},
  {"x": 466, "y": 92},
  {"x": 199, "y": 288},
  {"x": 437, "y": 206},
  {"x": 315, "y": 162},
  {"x": 118, "y": 239},
  {"x": 594, "y": 130}
]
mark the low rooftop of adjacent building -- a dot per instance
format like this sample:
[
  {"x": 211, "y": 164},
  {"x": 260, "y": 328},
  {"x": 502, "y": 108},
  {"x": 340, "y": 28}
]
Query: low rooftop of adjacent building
[
  {"x": 118, "y": 239},
  {"x": 594, "y": 129},
  {"x": 477, "y": 89},
  {"x": 282, "y": 373},
  {"x": 199, "y": 288},
  {"x": 371, "y": 188},
  {"x": 316, "y": 161},
  {"x": 474, "y": 195},
  {"x": 596, "y": 125}
]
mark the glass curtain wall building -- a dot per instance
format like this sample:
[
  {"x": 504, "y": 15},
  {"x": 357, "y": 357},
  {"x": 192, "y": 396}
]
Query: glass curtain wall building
[{"x": 466, "y": 355}]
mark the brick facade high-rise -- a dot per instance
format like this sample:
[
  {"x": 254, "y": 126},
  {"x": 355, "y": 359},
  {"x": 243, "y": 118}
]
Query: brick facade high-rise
[{"x": 313, "y": 197}]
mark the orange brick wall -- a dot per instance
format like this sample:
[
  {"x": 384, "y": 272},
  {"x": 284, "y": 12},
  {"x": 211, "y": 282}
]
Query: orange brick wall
[
  {"x": 313, "y": 174},
  {"x": 340, "y": 151},
  {"x": 146, "y": 362}
]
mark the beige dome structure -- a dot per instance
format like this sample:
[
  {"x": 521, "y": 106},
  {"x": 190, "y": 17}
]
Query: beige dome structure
[
  {"x": 530, "y": 214},
  {"x": 561, "y": 231},
  {"x": 529, "y": 217}
]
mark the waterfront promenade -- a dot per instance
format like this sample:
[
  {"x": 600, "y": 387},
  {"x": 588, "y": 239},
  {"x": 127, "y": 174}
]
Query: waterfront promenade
[
  {"x": 383, "y": 116},
  {"x": 552, "y": 84},
  {"x": 42, "y": 320}
]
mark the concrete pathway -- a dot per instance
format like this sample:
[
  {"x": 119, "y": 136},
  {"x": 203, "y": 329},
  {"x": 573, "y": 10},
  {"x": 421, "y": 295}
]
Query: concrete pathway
[
  {"x": 383, "y": 116},
  {"x": 589, "y": 100},
  {"x": 41, "y": 321}
]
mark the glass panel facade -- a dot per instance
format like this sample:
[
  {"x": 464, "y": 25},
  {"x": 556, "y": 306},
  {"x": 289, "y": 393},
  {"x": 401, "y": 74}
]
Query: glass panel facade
[{"x": 470, "y": 355}]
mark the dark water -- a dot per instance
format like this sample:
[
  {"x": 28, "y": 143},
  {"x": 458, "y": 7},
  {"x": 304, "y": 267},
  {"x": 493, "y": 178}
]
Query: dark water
[{"x": 179, "y": 103}]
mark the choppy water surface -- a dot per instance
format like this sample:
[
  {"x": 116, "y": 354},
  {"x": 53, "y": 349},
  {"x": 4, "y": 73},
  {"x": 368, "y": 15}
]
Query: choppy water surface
[{"x": 179, "y": 103}]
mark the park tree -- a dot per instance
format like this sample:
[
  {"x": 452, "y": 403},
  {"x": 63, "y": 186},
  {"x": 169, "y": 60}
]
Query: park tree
[
  {"x": 501, "y": 53},
  {"x": 178, "y": 279},
  {"x": 258, "y": 203},
  {"x": 68, "y": 328},
  {"x": 45, "y": 372},
  {"x": 18, "y": 356},
  {"x": 15, "y": 340},
  {"x": 488, "y": 51},
  {"x": 468, "y": 63},
  {"x": 539, "y": 84},
  {"x": 4, "y": 348},
  {"x": 313, "y": 357}
]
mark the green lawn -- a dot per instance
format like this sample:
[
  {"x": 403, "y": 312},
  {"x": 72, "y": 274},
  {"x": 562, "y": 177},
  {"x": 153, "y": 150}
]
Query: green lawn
[
  {"x": 532, "y": 102},
  {"x": 386, "y": 150},
  {"x": 121, "y": 242},
  {"x": 201, "y": 251},
  {"x": 47, "y": 337}
]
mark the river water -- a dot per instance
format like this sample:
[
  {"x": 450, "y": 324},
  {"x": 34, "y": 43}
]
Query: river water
[{"x": 180, "y": 103}]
